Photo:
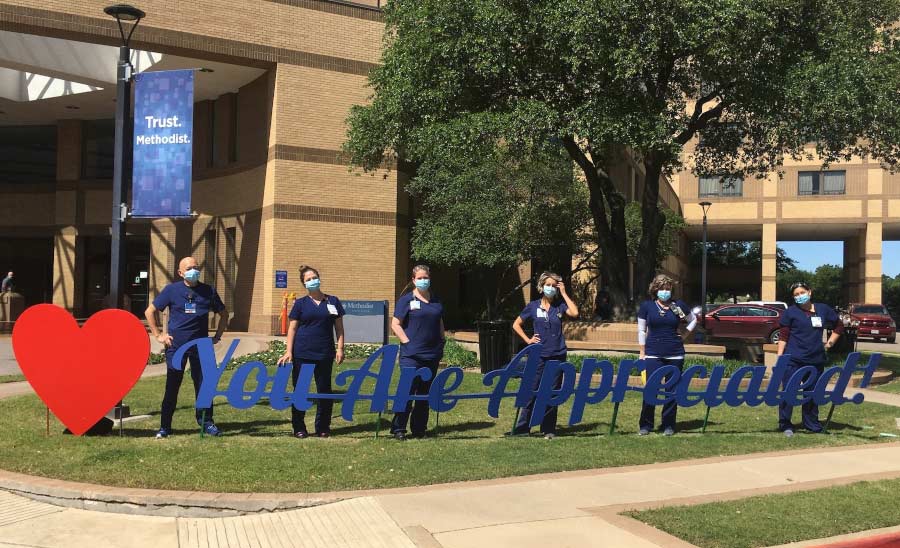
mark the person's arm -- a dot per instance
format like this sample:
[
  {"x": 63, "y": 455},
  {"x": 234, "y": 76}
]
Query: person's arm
[
  {"x": 163, "y": 338},
  {"x": 784, "y": 334},
  {"x": 642, "y": 336},
  {"x": 397, "y": 328},
  {"x": 287, "y": 357},
  {"x": 339, "y": 331},
  {"x": 443, "y": 335},
  {"x": 221, "y": 325},
  {"x": 517, "y": 327},
  {"x": 572, "y": 311},
  {"x": 836, "y": 332}
]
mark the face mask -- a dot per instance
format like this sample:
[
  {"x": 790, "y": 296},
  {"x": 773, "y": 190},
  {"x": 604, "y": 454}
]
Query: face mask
[
  {"x": 664, "y": 294},
  {"x": 549, "y": 291},
  {"x": 802, "y": 298},
  {"x": 313, "y": 284},
  {"x": 192, "y": 276},
  {"x": 422, "y": 284}
]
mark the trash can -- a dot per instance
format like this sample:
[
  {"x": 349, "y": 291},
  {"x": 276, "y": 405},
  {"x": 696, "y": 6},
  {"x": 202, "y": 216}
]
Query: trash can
[
  {"x": 11, "y": 306},
  {"x": 495, "y": 339}
]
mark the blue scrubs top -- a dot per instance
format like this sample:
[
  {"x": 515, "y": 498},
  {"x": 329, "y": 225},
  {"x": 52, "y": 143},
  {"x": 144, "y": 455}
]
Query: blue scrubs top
[
  {"x": 547, "y": 326},
  {"x": 663, "y": 340},
  {"x": 314, "y": 338},
  {"x": 189, "y": 309},
  {"x": 805, "y": 342},
  {"x": 421, "y": 322}
]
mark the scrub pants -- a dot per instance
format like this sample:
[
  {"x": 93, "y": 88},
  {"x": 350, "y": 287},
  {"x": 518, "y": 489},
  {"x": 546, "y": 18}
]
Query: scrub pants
[
  {"x": 418, "y": 408},
  {"x": 322, "y": 376},
  {"x": 670, "y": 409},
  {"x": 548, "y": 423},
  {"x": 173, "y": 385},
  {"x": 810, "y": 409}
]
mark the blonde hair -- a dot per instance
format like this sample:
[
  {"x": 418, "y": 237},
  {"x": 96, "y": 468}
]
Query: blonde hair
[
  {"x": 661, "y": 281},
  {"x": 548, "y": 276},
  {"x": 304, "y": 268}
]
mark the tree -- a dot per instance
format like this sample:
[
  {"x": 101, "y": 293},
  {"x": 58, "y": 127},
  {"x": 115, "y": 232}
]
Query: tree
[
  {"x": 826, "y": 282},
  {"x": 739, "y": 253},
  {"x": 487, "y": 208},
  {"x": 759, "y": 78}
]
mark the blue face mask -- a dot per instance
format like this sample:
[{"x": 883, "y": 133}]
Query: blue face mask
[
  {"x": 192, "y": 276},
  {"x": 422, "y": 284},
  {"x": 802, "y": 298},
  {"x": 313, "y": 284},
  {"x": 549, "y": 291},
  {"x": 664, "y": 295}
]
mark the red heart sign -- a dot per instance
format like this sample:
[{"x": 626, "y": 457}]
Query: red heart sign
[{"x": 80, "y": 373}]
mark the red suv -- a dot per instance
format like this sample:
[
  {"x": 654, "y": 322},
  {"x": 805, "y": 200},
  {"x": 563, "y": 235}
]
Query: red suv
[
  {"x": 744, "y": 321},
  {"x": 873, "y": 321}
]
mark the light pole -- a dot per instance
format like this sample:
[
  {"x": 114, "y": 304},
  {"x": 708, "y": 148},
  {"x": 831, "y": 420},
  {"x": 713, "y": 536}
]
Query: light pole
[
  {"x": 705, "y": 206},
  {"x": 121, "y": 164},
  {"x": 122, "y": 150}
]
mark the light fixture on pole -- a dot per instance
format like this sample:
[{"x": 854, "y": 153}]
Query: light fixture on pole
[
  {"x": 705, "y": 206},
  {"x": 123, "y": 13}
]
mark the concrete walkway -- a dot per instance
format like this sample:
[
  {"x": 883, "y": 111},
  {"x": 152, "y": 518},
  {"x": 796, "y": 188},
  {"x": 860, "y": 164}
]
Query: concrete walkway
[{"x": 568, "y": 509}]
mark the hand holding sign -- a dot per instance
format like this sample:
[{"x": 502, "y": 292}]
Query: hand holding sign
[{"x": 80, "y": 373}]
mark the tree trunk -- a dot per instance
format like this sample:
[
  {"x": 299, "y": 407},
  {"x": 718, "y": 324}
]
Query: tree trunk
[{"x": 653, "y": 222}]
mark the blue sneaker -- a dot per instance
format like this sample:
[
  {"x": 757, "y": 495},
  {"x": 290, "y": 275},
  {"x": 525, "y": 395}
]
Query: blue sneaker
[
  {"x": 163, "y": 433},
  {"x": 212, "y": 430}
]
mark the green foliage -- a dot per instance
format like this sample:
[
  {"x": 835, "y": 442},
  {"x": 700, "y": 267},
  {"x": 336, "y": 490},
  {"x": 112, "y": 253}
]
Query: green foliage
[
  {"x": 156, "y": 358},
  {"x": 455, "y": 354},
  {"x": 826, "y": 283},
  {"x": 668, "y": 237},
  {"x": 890, "y": 294},
  {"x": 740, "y": 253},
  {"x": 491, "y": 82}
]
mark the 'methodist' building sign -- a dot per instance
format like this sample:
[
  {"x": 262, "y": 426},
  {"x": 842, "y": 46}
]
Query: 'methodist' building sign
[{"x": 163, "y": 135}]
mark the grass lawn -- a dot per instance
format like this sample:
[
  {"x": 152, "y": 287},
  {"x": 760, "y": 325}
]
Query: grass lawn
[
  {"x": 258, "y": 454},
  {"x": 890, "y": 362},
  {"x": 813, "y": 514},
  {"x": 11, "y": 378}
]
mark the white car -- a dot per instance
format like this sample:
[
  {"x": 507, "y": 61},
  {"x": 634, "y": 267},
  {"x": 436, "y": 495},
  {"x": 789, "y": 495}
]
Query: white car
[{"x": 774, "y": 304}]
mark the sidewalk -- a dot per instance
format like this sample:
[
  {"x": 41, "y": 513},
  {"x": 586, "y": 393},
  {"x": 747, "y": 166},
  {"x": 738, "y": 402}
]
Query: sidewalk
[{"x": 567, "y": 509}]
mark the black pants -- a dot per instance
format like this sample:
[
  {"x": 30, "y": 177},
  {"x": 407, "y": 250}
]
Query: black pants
[
  {"x": 810, "y": 409},
  {"x": 548, "y": 423},
  {"x": 173, "y": 385},
  {"x": 419, "y": 408},
  {"x": 670, "y": 409},
  {"x": 322, "y": 376}
]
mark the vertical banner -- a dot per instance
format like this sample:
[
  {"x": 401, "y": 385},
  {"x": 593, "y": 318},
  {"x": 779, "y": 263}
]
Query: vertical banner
[{"x": 163, "y": 148}]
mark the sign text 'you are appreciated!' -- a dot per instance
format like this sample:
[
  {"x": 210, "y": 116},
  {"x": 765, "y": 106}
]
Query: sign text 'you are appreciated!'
[{"x": 597, "y": 382}]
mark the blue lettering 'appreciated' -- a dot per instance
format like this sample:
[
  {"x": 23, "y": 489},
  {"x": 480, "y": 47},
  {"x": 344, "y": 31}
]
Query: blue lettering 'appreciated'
[{"x": 597, "y": 382}]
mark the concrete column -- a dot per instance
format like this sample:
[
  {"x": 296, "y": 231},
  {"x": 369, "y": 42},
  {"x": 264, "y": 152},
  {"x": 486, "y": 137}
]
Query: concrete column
[
  {"x": 850, "y": 292},
  {"x": 65, "y": 270},
  {"x": 872, "y": 263},
  {"x": 769, "y": 269}
]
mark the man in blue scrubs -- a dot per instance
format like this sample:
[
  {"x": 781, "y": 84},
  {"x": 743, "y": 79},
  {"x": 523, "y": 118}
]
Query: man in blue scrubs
[{"x": 189, "y": 302}]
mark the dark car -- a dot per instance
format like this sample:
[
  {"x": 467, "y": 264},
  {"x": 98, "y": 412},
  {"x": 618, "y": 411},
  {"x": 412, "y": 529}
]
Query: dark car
[
  {"x": 744, "y": 321},
  {"x": 873, "y": 321}
]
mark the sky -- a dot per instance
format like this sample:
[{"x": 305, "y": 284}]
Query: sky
[{"x": 810, "y": 255}]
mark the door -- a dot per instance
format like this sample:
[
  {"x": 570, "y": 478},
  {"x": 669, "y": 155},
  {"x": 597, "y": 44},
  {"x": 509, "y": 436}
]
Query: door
[
  {"x": 726, "y": 322},
  {"x": 760, "y": 321}
]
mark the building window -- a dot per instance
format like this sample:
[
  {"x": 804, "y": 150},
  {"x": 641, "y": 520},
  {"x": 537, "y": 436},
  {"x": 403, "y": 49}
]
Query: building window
[
  {"x": 27, "y": 154},
  {"x": 810, "y": 183},
  {"x": 97, "y": 149},
  {"x": 717, "y": 185}
]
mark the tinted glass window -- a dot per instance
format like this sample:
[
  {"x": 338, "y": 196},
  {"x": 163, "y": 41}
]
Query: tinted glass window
[
  {"x": 869, "y": 310},
  {"x": 98, "y": 138},
  {"x": 27, "y": 154},
  {"x": 759, "y": 311},
  {"x": 730, "y": 311}
]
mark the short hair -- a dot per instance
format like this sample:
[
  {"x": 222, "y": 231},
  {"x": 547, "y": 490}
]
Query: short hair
[{"x": 660, "y": 281}]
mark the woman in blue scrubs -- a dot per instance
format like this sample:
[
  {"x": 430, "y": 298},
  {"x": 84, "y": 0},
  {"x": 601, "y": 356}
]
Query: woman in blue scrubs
[
  {"x": 802, "y": 327},
  {"x": 418, "y": 323},
  {"x": 661, "y": 344},
  {"x": 315, "y": 320},
  {"x": 547, "y": 315}
]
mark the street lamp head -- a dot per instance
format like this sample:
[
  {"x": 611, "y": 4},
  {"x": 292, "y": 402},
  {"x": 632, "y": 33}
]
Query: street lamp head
[
  {"x": 705, "y": 206},
  {"x": 124, "y": 12}
]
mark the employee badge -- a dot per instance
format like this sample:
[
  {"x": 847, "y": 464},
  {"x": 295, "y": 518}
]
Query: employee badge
[
  {"x": 541, "y": 313},
  {"x": 415, "y": 305},
  {"x": 190, "y": 308},
  {"x": 816, "y": 321},
  {"x": 332, "y": 309}
]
